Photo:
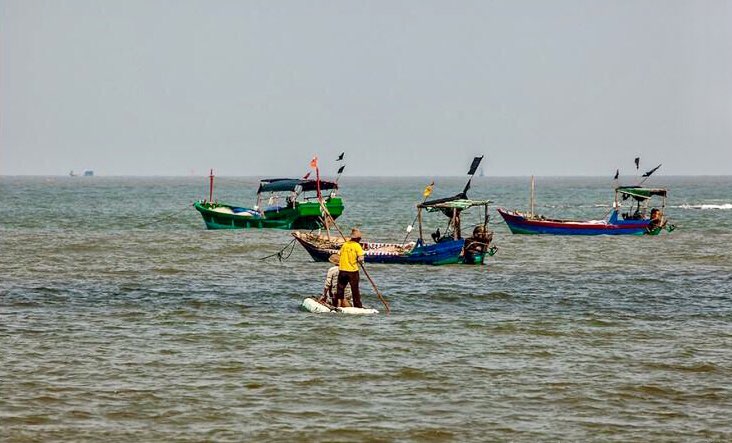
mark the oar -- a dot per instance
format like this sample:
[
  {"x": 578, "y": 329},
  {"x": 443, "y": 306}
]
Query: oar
[{"x": 378, "y": 293}]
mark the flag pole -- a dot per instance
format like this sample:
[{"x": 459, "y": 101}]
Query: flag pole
[
  {"x": 317, "y": 180},
  {"x": 426, "y": 193},
  {"x": 210, "y": 186},
  {"x": 531, "y": 203}
]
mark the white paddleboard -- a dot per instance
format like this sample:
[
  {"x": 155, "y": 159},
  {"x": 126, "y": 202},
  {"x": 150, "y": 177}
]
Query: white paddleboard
[{"x": 312, "y": 305}]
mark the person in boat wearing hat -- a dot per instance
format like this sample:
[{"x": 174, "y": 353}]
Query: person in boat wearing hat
[
  {"x": 331, "y": 285},
  {"x": 351, "y": 255}
]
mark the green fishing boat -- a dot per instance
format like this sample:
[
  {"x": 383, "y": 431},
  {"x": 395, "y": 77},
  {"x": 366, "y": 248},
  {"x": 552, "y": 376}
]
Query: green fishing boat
[{"x": 282, "y": 203}]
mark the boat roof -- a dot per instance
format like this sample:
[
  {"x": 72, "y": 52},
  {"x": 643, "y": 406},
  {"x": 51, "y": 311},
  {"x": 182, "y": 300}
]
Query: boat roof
[
  {"x": 640, "y": 193},
  {"x": 459, "y": 201},
  {"x": 292, "y": 184}
]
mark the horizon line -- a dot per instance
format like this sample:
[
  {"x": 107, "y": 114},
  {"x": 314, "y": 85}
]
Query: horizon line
[{"x": 346, "y": 177}]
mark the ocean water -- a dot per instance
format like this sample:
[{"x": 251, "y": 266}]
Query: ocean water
[{"x": 123, "y": 319}]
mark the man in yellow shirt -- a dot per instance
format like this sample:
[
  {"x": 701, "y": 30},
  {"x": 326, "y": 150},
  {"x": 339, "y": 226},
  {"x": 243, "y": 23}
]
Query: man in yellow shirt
[{"x": 351, "y": 255}]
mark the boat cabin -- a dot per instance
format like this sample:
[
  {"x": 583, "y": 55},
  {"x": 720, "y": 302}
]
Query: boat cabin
[
  {"x": 640, "y": 201},
  {"x": 452, "y": 207},
  {"x": 271, "y": 189}
]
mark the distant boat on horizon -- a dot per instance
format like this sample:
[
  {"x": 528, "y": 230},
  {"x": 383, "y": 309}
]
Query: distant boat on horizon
[{"x": 88, "y": 173}]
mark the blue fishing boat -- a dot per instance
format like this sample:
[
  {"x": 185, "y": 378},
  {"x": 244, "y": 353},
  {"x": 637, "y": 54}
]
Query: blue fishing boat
[{"x": 449, "y": 247}]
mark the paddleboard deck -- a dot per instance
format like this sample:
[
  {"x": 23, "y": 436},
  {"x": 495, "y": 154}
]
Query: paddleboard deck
[{"x": 312, "y": 305}]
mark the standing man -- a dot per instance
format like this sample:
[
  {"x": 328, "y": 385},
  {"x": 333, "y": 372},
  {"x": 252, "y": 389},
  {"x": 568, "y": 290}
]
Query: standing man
[{"x": 351, "y": 255}]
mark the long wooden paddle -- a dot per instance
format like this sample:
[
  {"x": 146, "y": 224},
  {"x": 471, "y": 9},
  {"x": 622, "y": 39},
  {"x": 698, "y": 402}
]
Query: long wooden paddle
[{"x": 378, "y": 293}]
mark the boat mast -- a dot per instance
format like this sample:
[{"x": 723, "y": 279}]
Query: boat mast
[
  {"x": 531, "y": 199},
  {"x": 419, "y": 220},
  {"x": 210, "y": 186},
  {"x": 455, "y": 224}
]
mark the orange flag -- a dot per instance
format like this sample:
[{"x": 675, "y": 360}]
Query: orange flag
[{"x": 314, "y": 162}]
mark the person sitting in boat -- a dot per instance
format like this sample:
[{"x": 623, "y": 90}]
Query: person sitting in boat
[
  {"x": 656, "y": 220},
  {"x": 331, "y": 285},
  {"x": 351, "y": 255},
  {"x": 291, "y": 199},
  {"x": 477, "y": 244}
]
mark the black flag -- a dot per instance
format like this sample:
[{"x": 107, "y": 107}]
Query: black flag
[
  {"x": 637, "y": 162},
  {"x": 340, "y": 157},
  {"x": 340, "y": 170},
  {"x": 617, "y": 174},
  {"x": 474, "y": 165},
  {"x": 648, "y": 174}
]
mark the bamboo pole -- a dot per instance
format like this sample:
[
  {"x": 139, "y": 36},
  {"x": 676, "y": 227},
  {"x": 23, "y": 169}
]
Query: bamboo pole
[
  {"x": 378, "y": 293},
  {"x": 210, "y": 186},
  {"x": 419, "y": 220},
  {"x": 531, "y": 202}
]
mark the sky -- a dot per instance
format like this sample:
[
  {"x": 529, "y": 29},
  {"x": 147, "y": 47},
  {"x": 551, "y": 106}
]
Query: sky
[{"x": 414, "y": 88}]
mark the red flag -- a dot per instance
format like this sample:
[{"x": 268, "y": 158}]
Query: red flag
[{"x": 314, "y": 162}]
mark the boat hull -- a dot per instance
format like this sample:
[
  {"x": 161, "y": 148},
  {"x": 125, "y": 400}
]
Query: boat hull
[
  {"x": 442, "y": 253},
  {"x": 303, "y": 215},
  {"x": 519, "y": 224}
]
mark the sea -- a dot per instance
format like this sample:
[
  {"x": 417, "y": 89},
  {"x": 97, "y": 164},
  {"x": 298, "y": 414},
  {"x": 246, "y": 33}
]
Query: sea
[{"x": 123, "y": 319}]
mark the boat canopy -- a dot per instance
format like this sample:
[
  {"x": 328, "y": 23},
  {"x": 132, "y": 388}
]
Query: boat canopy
[
  {"x": 639, "y": 193},
  {"x": 294, "y": 184},
  {"x": 447, "y": 204}
]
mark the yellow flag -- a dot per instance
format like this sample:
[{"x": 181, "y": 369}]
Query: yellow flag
[{"x": 428, "y": 190}]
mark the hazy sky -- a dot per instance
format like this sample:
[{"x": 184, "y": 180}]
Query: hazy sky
[{"x": 540, "y": 87}]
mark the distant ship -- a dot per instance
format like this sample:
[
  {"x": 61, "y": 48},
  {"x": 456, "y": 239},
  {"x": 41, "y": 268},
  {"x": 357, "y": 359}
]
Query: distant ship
[{"x": 88, "y": 173}]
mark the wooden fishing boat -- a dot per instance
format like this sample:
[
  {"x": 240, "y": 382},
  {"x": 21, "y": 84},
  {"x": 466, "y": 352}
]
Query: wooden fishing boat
[
  {"x": 637, "y": 221},
  {"x": 447, "y": 248},
  {"x": 296, "y": 210}
]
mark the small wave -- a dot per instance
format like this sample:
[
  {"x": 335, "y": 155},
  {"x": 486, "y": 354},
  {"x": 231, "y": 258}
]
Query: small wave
[
  {"x": 725, "y": 206},
  {"x": 412, "y": 374}
]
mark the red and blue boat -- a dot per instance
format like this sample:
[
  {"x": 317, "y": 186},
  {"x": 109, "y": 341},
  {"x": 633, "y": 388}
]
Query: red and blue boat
[{"x": 637, "y": 221}]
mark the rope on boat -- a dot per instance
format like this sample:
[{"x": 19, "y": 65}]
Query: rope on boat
[
  {"x": 281, "y": 254},
  {"x": 165, "y": 218}
]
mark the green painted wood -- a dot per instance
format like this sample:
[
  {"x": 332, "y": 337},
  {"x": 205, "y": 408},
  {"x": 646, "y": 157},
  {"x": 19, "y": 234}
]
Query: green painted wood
[{"x": 303, "y": 215}]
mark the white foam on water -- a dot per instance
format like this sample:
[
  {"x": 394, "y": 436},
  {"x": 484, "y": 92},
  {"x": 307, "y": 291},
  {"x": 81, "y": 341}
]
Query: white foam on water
[{"x": 724, "y": 206}]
